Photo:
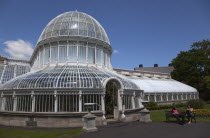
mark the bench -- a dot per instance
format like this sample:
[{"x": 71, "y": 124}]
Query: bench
[{"x": 169, "y": 115}]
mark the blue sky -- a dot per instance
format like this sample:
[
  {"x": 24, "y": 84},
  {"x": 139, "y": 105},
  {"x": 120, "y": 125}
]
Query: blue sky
[{"x": 142, "y": 31}]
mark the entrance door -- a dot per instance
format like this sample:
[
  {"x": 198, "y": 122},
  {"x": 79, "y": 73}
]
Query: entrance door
[{"x": 111, "y": 102}]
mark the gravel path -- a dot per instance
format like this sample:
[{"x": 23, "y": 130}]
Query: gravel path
[{"x": 153, "y": 130}]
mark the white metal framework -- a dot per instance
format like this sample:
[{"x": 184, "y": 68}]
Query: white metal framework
[
  {"x": 65, "y": 89},
  {"x": 66, "y": 77},
  {"x": 73, "y": 53},
  {"x": 8, "y": 72},
  {"x": 164, "y": 90},
  {"x": 170, "y": 97},
  {"x": 60, "y": 101}
]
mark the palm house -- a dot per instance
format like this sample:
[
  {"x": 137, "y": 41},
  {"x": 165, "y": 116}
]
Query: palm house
[{"x": 71, "y": 68}]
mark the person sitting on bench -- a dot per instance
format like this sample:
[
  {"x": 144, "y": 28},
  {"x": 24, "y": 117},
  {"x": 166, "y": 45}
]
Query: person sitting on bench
[
  {"x": 178, "y": 116},
  {"x": 189, "y": 114}
]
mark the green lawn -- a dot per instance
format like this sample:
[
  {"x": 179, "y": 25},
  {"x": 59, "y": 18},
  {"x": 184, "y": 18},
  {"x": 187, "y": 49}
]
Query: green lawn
[
  {"x": 159, "y": 115},
  {"x": 14, "y": 133}
]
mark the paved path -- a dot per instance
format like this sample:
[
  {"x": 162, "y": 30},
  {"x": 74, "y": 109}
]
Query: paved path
[{"x": 153, "y": 130}]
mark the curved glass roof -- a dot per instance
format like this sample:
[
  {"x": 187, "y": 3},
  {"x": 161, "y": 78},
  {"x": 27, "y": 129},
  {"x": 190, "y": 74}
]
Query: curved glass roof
[
  {"x": 74, "y": 23},
  {"x": 66, "y": 77},
  {"x": 160, "y": 85},
  {"x": 8, "y": 72}
]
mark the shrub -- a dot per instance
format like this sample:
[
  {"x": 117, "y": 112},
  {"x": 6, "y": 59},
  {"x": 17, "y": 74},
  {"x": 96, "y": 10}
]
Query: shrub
[
  {"x": 207, "y": 102},
  {"x": 161, "y": 107},
  {"x": 197, "y": 104},
  {"x": 155, "y": 106},
  {"x": 168, "y": 106},
  {"x": 152, "y": 106},
  {"x": 165, "y": 106},
  {"x": 180, "y": 105}
]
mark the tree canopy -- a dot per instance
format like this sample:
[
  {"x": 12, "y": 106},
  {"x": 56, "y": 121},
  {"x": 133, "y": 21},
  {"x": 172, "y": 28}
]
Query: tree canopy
[{"x": 192, "y": 67}]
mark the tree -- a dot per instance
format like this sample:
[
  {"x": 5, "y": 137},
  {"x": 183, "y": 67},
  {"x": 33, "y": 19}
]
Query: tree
[{"x": 192, "y": 67}]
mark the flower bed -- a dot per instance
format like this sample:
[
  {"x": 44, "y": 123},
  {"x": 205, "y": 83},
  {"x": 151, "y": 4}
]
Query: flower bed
[{"x": 202, "y": 112}]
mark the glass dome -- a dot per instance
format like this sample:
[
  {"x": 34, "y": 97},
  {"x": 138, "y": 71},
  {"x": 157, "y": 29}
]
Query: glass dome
[{"x": 74, "y": 23}]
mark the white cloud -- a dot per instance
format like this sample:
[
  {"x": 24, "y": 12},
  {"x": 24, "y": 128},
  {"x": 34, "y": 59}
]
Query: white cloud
[
  {"x": 19, "y": 49},
  {"x": 115, "y": 52}
]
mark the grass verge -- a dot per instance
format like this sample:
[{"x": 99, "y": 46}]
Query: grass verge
[{"x": 159, "y": 115}]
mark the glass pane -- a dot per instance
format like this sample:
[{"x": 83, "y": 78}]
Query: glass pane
[
  {"x": 54, "y": 54},
  {"x": 91, "y": 55},
  {"x": 74, "y": 28},
  {"x": 72, "y": 57},
  {"x": 62, "y": 54},
  {"x": 35, "y": 63},
  {"x": 108, "y": 60},
  {"x": 47, "y": 55},
  {"x": 82, "y": 54},
  {"x": 104, "y": 58},
  {"x": 41, "y": 57},
  {"x": 98, "y": 56}
]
